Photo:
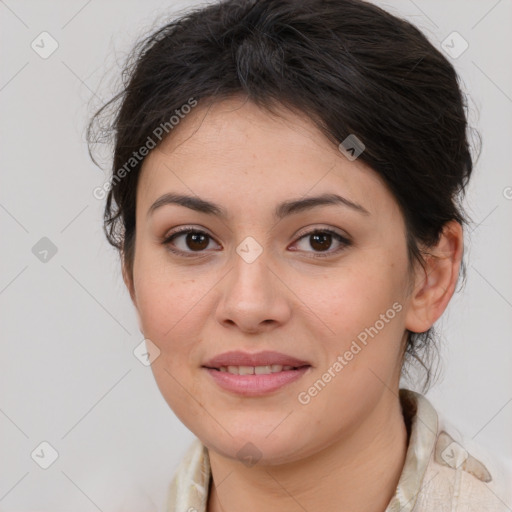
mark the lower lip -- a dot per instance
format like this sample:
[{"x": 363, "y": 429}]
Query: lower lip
[{"x": 256, "y": 385}]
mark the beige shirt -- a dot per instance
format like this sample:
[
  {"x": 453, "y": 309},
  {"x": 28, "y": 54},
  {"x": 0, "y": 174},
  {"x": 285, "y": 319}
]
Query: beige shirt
[{"x": 441, "y": 472}]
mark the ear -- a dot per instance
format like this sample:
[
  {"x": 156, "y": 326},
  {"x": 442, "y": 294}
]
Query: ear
[
  {"x": 128, "y": 281},
  {"x": 435, "y": 284}
]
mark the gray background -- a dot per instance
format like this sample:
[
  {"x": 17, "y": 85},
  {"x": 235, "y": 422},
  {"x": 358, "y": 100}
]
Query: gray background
[{"x": 68, "y": 375}]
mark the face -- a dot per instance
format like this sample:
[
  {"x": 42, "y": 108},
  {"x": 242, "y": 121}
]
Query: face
[{"x": 247, "y": 279}]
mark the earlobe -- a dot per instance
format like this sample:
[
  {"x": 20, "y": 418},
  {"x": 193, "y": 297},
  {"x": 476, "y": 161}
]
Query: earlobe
[{"x": 436, "y": 282}]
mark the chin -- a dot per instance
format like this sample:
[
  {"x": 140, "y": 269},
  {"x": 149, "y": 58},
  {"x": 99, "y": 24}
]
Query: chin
[{"x": 254, "y": 447}]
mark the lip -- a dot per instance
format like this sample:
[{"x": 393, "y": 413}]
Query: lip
[
  {"x": 267, "y": 357},
  {"x": 255, "y": 385}
]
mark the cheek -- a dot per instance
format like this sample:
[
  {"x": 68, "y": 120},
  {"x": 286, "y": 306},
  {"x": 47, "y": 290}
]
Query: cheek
[
  {"x": 362, "y": 348},
  {"x": 354, "y": 298},
  {"x": 171, "y": 312},
  {"x": 362, "y": 308},
  {"x": 163, "y": 296},
  {"x": 171, "y": 315}
]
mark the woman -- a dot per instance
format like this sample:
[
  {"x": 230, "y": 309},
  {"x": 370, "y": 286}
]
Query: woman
[{"x": 286, "y": 203}]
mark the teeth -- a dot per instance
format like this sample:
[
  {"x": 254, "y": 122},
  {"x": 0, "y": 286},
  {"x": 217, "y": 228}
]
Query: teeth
[
  {"x": 242, "y": 370},
  {"x": 261, "y": 370},
  {"x": 258, "y": 370}
]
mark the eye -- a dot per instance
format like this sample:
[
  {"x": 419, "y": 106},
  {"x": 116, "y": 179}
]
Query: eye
[
  {"x": 321, "y": 240},
  {"x": 194, "y": 239}
]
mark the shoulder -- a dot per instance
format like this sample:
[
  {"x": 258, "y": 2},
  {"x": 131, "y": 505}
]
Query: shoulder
[{"x": 458, "y": 473}]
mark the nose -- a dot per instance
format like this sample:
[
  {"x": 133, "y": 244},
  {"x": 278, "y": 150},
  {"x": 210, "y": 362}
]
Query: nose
[{"x": 254, "y": 298}]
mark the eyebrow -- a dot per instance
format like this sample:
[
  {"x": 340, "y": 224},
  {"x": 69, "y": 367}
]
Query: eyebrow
[{"x": 282, "y": 210}]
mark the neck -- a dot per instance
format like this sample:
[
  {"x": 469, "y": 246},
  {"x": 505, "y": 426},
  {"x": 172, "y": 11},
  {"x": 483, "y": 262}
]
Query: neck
[{"x": 359, "y": 472}]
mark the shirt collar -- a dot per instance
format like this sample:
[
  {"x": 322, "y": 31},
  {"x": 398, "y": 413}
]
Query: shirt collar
[{"x": 423, "y": 420}]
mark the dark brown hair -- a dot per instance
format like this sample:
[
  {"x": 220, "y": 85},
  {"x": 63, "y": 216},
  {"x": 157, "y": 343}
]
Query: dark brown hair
[{"x": 350, "y": 66}]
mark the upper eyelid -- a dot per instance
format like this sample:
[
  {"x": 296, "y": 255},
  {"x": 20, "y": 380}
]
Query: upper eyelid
[
  {"x": 312, "y": 230},
  {"x": 303, "y": 232},
  {"x": 185, "y": 230}
]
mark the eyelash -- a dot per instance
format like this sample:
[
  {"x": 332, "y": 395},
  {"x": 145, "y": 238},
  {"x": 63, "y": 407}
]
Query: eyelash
[{"x": 344, "y": 241}]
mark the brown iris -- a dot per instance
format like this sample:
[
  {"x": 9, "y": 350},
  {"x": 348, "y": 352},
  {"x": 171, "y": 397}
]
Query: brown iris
[
  {"x": 197, "y": 241},
  {"x": 318, "y": 241}
]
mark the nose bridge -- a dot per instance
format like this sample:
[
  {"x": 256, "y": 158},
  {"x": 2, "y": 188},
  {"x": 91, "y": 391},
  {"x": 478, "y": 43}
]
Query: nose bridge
[
  {"x": 251, "y": 279},
  {"x": 251, "y": 295}
]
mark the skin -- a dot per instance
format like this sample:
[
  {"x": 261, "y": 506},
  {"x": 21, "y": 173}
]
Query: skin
[{"x": 344, "y": 449}]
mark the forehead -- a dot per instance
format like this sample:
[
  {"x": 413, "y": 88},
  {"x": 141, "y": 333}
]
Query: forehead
[{"x": 235, "y": 150}]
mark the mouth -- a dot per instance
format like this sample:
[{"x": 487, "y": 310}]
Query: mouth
[
  {"x": 254, "y": 374},
  {"x": 255, "y": 381},
  {"x": 257, "y": 370}
]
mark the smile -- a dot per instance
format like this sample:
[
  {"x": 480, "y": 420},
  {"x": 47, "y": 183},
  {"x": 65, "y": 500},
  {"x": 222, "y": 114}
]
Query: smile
[
  {"x": 255, "y": 380},
  {"x": 255, "y": 370}
]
